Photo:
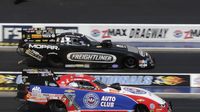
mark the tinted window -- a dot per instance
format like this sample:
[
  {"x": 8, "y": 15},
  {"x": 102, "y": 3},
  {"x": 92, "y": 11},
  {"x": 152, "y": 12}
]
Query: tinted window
[
  {"x": 71, "y": 40},
  {"x": 100, "y": 84}
]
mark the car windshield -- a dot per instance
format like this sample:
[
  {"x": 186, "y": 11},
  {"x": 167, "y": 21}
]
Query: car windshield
[
  {"x": 100, "y": 84},
  {"x": 91, "y": 39}
]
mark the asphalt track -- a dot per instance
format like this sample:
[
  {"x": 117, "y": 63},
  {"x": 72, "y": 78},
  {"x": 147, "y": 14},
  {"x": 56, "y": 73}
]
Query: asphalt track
[
  {"x": 10, "y": 104},
  {"x": 166, "y": 62}
]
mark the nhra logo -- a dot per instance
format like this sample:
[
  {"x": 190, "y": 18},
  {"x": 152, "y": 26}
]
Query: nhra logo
[
  {"x": 178, "y": 33},
  {"x": 95, "y": 33},
  {"x": 91, "y": 57},
  {"x": 91, "y": 100}
]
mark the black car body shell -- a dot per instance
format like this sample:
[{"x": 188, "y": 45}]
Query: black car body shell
[{"x": 76, "y": 50}]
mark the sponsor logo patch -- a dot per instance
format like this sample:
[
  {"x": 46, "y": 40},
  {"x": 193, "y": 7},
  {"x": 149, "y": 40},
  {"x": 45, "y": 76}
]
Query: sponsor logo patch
[
  {"x": 42, "y": 46},
  {"x": 91, "y": 57},
  {"x": 91, "y": 100}
]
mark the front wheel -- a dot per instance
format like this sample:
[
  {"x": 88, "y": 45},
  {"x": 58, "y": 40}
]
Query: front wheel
[
  {"x": 130, "y": 62},
  {"x": 57, "y": 106},
  {"x": 141, "y": 108}
]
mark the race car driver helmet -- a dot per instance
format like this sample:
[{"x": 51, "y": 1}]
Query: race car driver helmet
[{"x": 73, "y": 84}]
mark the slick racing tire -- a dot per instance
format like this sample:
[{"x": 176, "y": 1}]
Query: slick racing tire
[
  {"x": 141, "y": 108},
  {"x": 130, "y": 62},
  {"x": 56, "y": 106},
  {"x": 54, "y": 61}
]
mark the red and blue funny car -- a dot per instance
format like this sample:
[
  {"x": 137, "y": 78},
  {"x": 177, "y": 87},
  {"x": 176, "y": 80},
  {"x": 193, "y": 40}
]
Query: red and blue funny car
[{"x": 84, "y": 93}]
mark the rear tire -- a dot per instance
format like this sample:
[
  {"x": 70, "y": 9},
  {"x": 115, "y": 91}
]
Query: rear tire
[
  {"x": 56, "y": 106},
  {"x": 141, "y": 108},
  {"x": 130, "y": 62}
]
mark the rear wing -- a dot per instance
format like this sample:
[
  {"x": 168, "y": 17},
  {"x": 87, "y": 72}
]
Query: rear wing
[
  {"x": 43, "y": 77},
  {"x": 38, "y": 35}
]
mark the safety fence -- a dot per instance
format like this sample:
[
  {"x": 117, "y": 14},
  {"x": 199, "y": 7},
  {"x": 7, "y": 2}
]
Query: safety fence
[
  {"x": 10, "y": 33},
  {"x": 166, "y": 80}
]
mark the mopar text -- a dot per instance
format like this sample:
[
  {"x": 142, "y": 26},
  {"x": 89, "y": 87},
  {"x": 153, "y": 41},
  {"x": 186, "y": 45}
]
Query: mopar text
[
  {"x": 40, "y": 46},
  {"x": 91, "y": 57}
]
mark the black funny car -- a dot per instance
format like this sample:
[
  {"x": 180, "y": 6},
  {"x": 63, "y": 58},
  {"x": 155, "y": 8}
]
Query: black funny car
[{"x": 74, "y": 50}]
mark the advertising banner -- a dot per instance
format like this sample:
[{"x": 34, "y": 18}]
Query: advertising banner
[
  {"x": 8, "y": 80},
  {"x": 11, "y": 33},
  {"x": 195, "y": 80},
  {"x": 146, "y": 33},
  {"x": 146, "y": 80}
]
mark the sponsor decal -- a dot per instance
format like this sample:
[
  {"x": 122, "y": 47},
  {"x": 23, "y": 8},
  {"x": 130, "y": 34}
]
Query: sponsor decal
[
  {"x": 108, "y": 101},
  {"x": 115, "y": 66},
  {"x": 36, "y": 95},
  {"x": 91, "y": 57},
  {"x": 148, "y": 33},
  {"x": 77, "y": 65},
  {"x": 140, "y": 100},
  {"x": 69, "y": 91},
  {"x": 146, "y": 80},
  {"x": 43, "y": 46},
  {"x": 70, "y": 95},
  {"x": 34, "y": 54},
  {"x": 36, "y": 91},
  {"x": 152, "y": 106},
  {"x": 61, "y": 29},
  {"x": 91, "y": 100}
]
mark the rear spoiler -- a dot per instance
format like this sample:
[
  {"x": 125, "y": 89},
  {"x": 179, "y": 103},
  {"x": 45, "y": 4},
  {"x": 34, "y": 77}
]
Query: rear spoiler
[
  {"x": 38, "y": 35},
  {"x": 35, "y": 77}
]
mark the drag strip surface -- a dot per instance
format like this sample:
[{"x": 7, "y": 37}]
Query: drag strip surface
[
  {"x": 10, "y": 104},
  {"x": 166, "y": 62}
]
